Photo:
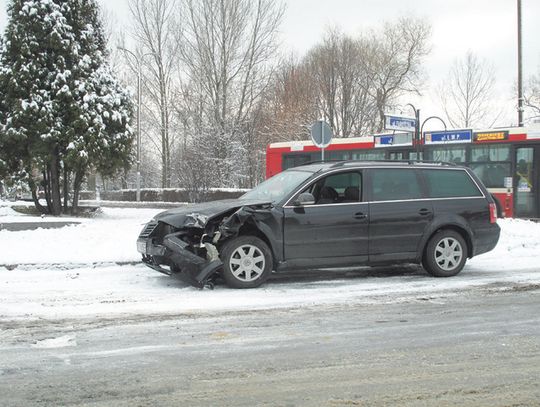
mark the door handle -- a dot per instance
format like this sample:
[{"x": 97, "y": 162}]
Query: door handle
[
  {"x": 360, "y": 215},
  {"x": 424, "y": 212}
]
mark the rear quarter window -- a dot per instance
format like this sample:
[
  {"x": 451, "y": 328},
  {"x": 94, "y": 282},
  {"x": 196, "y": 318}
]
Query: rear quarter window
[
  {"x": 450, "y": 184},
  {"x": 390, "y": 184}
]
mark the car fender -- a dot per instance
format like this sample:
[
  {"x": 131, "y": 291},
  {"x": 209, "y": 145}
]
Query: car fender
[
  {"x": 265, "y": 222},
  {"x": 441, "y": 222}
]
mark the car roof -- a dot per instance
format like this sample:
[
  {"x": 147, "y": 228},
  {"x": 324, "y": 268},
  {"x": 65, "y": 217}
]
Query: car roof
[{"x": 316, "y": 166}]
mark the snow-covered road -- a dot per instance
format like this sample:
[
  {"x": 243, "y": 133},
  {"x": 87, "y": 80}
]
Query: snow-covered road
[{"x": 90, "y": 270}]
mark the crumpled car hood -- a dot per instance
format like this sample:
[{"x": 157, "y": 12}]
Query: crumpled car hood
[{"x": 198, "y": 215}]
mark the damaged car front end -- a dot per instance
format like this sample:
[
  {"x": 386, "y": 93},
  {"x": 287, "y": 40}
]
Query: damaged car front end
[{"x": 185, "y": 243}]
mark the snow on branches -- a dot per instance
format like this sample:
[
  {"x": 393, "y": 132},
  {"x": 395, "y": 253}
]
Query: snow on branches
[{"x": 64, "y": 112}]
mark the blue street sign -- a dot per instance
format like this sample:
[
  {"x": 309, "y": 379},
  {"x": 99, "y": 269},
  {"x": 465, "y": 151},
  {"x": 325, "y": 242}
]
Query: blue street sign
[
  {"x": 396, "y": 139},
  {"x": 384, "y": 141},
  {"x": 450, "y": 136},
  {"x": 399, "y": 123}
]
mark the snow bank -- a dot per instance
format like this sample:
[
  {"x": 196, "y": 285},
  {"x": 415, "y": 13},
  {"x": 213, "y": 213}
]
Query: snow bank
[
  {"x": 6, "y": 211},
  {"x": 518, "y": 247},
  {"x": 109, "y": 237},
  {"x": 72, "y": 288}
]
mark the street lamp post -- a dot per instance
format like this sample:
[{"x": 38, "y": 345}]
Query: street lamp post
[
  {"x": 520, "y": 66},
  {"x": 139, "y": 101},
  {"x": 432, "y": 117},
  {"x": 416, "y": 129}
]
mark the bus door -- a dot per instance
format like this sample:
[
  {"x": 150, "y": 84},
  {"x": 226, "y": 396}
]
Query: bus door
[{"x": 527, "y": 182}]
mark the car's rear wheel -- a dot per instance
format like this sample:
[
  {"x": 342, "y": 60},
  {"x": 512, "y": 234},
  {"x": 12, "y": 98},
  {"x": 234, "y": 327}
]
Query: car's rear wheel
[
  {"x": 445, "y": 254},
  {"x": 247, "y": 262}
]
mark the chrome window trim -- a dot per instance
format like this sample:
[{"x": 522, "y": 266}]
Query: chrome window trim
[
  {"x": 429, "y": 199},
  {"x": 286, "y": 205},
  {"x": 396, "y": 200},
  {"x": 321, "y": 205}
]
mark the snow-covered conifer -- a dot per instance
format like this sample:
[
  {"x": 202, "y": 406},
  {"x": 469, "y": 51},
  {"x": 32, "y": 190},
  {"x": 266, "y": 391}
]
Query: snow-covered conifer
[{"x": 63, "y": 111}]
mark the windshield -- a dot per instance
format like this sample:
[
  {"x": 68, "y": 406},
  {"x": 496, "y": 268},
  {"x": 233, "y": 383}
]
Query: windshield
[{"x": 279, "y": 186}]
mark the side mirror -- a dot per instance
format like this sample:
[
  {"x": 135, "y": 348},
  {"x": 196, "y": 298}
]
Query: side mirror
[{"x": 305, "y": 198}]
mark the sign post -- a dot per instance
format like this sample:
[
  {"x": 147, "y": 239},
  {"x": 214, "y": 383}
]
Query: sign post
[{"x": 321, "y": 134}]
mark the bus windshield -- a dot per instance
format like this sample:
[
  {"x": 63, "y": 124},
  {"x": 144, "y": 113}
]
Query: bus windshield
[{"x": 279, "y": 186}]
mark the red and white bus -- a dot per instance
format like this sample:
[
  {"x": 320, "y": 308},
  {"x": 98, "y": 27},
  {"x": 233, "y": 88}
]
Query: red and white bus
[{"x": 506, "y": 159}]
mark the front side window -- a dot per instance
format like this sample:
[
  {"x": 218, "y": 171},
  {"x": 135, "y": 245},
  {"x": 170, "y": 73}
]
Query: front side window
[
  {"x": 390, "y": 184},
  {"x": 450, "y": 184},
  {"x": 344, "y": 187}
]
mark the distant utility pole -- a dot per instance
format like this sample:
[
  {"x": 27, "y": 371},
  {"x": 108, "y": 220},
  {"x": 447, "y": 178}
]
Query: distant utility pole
[
  {"x": 520, "y": 73},
  {"x": 139, "y": 61}
]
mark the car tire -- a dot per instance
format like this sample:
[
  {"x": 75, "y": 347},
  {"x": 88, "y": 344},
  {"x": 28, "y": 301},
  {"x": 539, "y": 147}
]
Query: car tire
[
  {"x": 445, "y": 254},
  {"x": 247, "y": 262}
]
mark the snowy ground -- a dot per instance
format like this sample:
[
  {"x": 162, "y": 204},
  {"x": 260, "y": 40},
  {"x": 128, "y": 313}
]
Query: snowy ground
[{"x": 92, "y": 270}]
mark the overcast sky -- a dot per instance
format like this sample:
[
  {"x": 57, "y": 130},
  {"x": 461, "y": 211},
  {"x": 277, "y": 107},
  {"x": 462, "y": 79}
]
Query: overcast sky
[{"x": 486, "y": 27}]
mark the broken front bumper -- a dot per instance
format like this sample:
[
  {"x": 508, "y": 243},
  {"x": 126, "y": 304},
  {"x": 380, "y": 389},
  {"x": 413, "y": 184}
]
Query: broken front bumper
[{"x": 182, "y": 263}]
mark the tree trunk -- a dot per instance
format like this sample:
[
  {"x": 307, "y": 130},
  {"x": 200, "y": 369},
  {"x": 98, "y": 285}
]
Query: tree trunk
[
  {"x": 47, "y": 188},
  {"x": 125, "y": 179},
  {"x": 35, "y": 197},
  {"x": 79, "y": 177},
  {"x": 66, "y": 190},
  {"x": 56, "y": 200}
]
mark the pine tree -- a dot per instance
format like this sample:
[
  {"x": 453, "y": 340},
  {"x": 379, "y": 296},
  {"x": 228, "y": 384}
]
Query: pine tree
[{"x": 63, "y": 112}]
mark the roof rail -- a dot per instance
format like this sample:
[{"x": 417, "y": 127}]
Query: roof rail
[
  {"x": 341, "y": 163},
  {"x": 321, "y": 162},
  {"x": 410, "y": 162}
]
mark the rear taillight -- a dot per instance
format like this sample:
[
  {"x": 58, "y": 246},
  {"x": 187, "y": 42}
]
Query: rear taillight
[{"x": 492, "y": 213}]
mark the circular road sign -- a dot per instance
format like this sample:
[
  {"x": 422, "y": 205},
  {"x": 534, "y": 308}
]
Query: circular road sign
[{"x": 321, "y": 134}]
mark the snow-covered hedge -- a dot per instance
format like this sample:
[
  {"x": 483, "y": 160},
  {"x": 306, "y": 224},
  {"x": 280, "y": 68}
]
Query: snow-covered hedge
[{"x": 165, "y": 194}]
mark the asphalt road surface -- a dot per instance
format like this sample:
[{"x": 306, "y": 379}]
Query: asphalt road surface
[{"x": 476, "y": 348}]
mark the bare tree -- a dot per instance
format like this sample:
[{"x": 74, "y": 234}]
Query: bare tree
[
  {"x": 352, "y": 82},
  {"x": 393, "y": 61},
  {"x": 532, "y": 95},
  {"x": 343, "y": 87},
  {"x": 467, "y": 93},
  {"x": 288, "y": 107},
  {"x": 228, "y": 50},
  {"x": 156, "y": 28}
]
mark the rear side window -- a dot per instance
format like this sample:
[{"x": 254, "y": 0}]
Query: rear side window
[
  {"x": 390, "y": 184},
  {"x": 450, "y": 184}
]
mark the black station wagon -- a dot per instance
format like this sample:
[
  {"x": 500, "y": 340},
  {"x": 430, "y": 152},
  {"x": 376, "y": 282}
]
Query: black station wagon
[{"x": 332, "y": 214}]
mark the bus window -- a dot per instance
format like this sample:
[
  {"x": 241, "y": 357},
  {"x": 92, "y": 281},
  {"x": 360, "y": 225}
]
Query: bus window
[
  {"x": 492, "y": 174},
  {"x": 490, "y": 153},
  {"x": 367, "y": 155},
  {"x": 413, "y": 155},
  {"x": 454, "y": 154},
  {"x": 294, "y": 160},
  {"x": 337, "y": 155}
]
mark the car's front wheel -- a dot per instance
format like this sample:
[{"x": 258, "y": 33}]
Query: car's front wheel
[
  {"x": 247, "y": 262},
  {"x": 445, "y": 254}
]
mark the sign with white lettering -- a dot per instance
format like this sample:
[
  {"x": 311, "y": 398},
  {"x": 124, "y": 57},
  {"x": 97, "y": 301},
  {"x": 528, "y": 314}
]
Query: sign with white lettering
[
  {"x": 392, "y": 122},
  {"x": 393, "y": 140},
  {"x": 448, "y": 137}
]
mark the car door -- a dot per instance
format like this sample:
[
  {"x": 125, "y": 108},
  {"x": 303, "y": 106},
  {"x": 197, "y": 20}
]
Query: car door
[
  {"x": 334, "y": 230},
  {"x": 398, "y": 213}
]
